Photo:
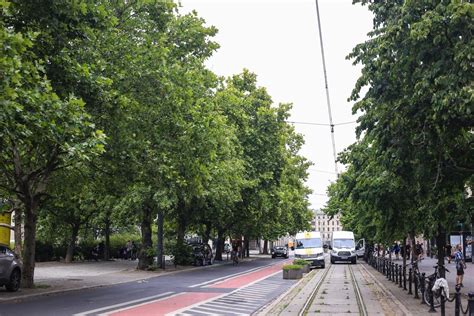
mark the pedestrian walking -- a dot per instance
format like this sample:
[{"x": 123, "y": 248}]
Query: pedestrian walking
[
  {"x": 134, "y": 251},
  {"x": 419, "y": 250},
  {"x": 460, "y": 265},
  {"x": 396, "y": 249},
  {"x": 448, "y": 252},
  {"x": 129, "y": 248}
]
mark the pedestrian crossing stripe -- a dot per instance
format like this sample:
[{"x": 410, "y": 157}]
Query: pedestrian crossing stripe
[{"x": 243, "y": 301}]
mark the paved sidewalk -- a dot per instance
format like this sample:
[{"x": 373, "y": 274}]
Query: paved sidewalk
[
  {"x": 426, "y": 265},
  {"x": 413, "y": 305},
  {"x": 387, "y": 296},
  {"x": 57, "y": 277}
]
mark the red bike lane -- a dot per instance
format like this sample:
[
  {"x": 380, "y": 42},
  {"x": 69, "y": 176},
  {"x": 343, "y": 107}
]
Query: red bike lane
[{"x": 184, "y": 300}]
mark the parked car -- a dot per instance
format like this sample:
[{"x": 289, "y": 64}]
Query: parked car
[
  {"x": 279, "y": 251},
  {"x": 201, "y": 254},
  {"x": 10, "y": 269}
]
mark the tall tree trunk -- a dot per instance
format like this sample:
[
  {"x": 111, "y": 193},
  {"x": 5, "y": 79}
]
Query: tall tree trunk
[
  {"x": 247, "y": 246},
  {"x": 220, "y": 244},
  {"x": 72, "y": 243},
  {"x": 181, "y": 221},
  {"x": 404, "y": 252},
  {"x": 440, "y": 243},
  {"x": 144, "y": 258},
  {"x": 29, "y": 246},
  {"x": 160, "y": 244},
  {"x": 265, "y": 247},
  {"x": 18, "y": 218},
  {"x": 207, "y": 233},
  {"x": 107, "y": 236},
  {"x": 413, "y": 247}
]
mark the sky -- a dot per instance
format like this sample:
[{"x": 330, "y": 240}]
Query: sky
[{"x": 278, "y": 40}]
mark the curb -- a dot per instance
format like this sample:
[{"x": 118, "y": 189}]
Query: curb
[{"x": 264, "y": 310}]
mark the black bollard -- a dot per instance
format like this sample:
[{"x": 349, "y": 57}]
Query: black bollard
[
  {"x": 389, "y": 265},
  {"x": 470, "y": 304},
  {"x": 396, "y": 274},
  {"x": 443, "y": 302},
  {"x": 405, "y": 278},
  {"x": 431, "y": 296},
  {"x": 410, "y": 279},
  {"x": 457, "y": 300},
  {"x": 400, "y": 279},
  {"x": 393, "y": 272},
  {"x": 422, "y": 287},
  {"x": 416, "y": 279}
]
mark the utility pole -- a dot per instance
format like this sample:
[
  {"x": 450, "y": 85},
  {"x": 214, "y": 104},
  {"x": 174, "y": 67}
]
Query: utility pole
[{"x": 327, "y": 91}]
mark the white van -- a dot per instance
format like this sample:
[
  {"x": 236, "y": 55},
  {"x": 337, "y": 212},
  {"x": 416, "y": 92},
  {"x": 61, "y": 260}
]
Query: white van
[
  {"x": 308, "y": 246},
  {"x": 343, "y": 247}
]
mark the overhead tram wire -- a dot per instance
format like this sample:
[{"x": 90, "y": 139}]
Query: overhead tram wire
[
  {"x": 327, "y": 89},
  {"x": 321, "y": 124}
]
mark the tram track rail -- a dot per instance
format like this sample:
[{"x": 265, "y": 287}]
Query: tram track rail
[
  {"x": 316, "y": 291},
  {"x": 360, "y": 301}
]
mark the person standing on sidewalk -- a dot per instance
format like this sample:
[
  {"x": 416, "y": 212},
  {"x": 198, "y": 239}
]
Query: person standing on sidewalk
[
  {"x": 408, "y": 249},
  {"x": 460, "y": 265},
  {"x": 448, "y": 252}
]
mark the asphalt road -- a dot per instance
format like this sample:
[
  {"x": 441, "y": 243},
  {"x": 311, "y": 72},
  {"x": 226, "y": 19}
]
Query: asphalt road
[{"x": 222, "y": 289}]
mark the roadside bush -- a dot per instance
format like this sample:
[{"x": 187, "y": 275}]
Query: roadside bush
[
  {"x": 118, "y": 242},
  {"x": 300, "y": 262},
  {"x": 44, "y": 251},
  {"x": 48, "y": 251},
  {"x": 287, "y": 267},
  {"x": 182, "y": 254}
]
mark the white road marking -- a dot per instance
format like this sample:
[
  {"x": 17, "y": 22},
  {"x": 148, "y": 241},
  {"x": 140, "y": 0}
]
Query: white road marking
[{"x": 94, "y": 311}]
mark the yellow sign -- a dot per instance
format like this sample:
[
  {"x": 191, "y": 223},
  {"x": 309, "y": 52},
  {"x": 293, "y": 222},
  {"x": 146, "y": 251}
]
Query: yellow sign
[
  {"x": 307, "y": 235},
  {"x": 5, "y": 218}
]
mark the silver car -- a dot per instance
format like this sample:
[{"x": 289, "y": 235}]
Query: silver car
[{"x": 10, "y": 269}]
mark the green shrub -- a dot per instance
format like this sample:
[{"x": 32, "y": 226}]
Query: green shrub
[
  {"x": 287, "y": 267},
  {"x": 44, "y": 251},
  {"x": 300, "y": 262},
  {"x": 182, "y": 254},
  {"x": 118, "y": 241}
]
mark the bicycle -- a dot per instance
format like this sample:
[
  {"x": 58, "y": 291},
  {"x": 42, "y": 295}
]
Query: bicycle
[
  {"x": 431, "y": 281},
  {"x": 234, "y": 257},
  {"x": 417, "y": 277}
]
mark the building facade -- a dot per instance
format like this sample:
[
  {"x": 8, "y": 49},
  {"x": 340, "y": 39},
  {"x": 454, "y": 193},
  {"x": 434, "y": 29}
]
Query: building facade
[{"x": 325, "y": 225}]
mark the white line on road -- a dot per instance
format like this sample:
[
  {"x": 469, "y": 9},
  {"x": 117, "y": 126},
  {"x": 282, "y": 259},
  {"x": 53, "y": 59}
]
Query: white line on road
[{"x": 94, "y": 311}]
